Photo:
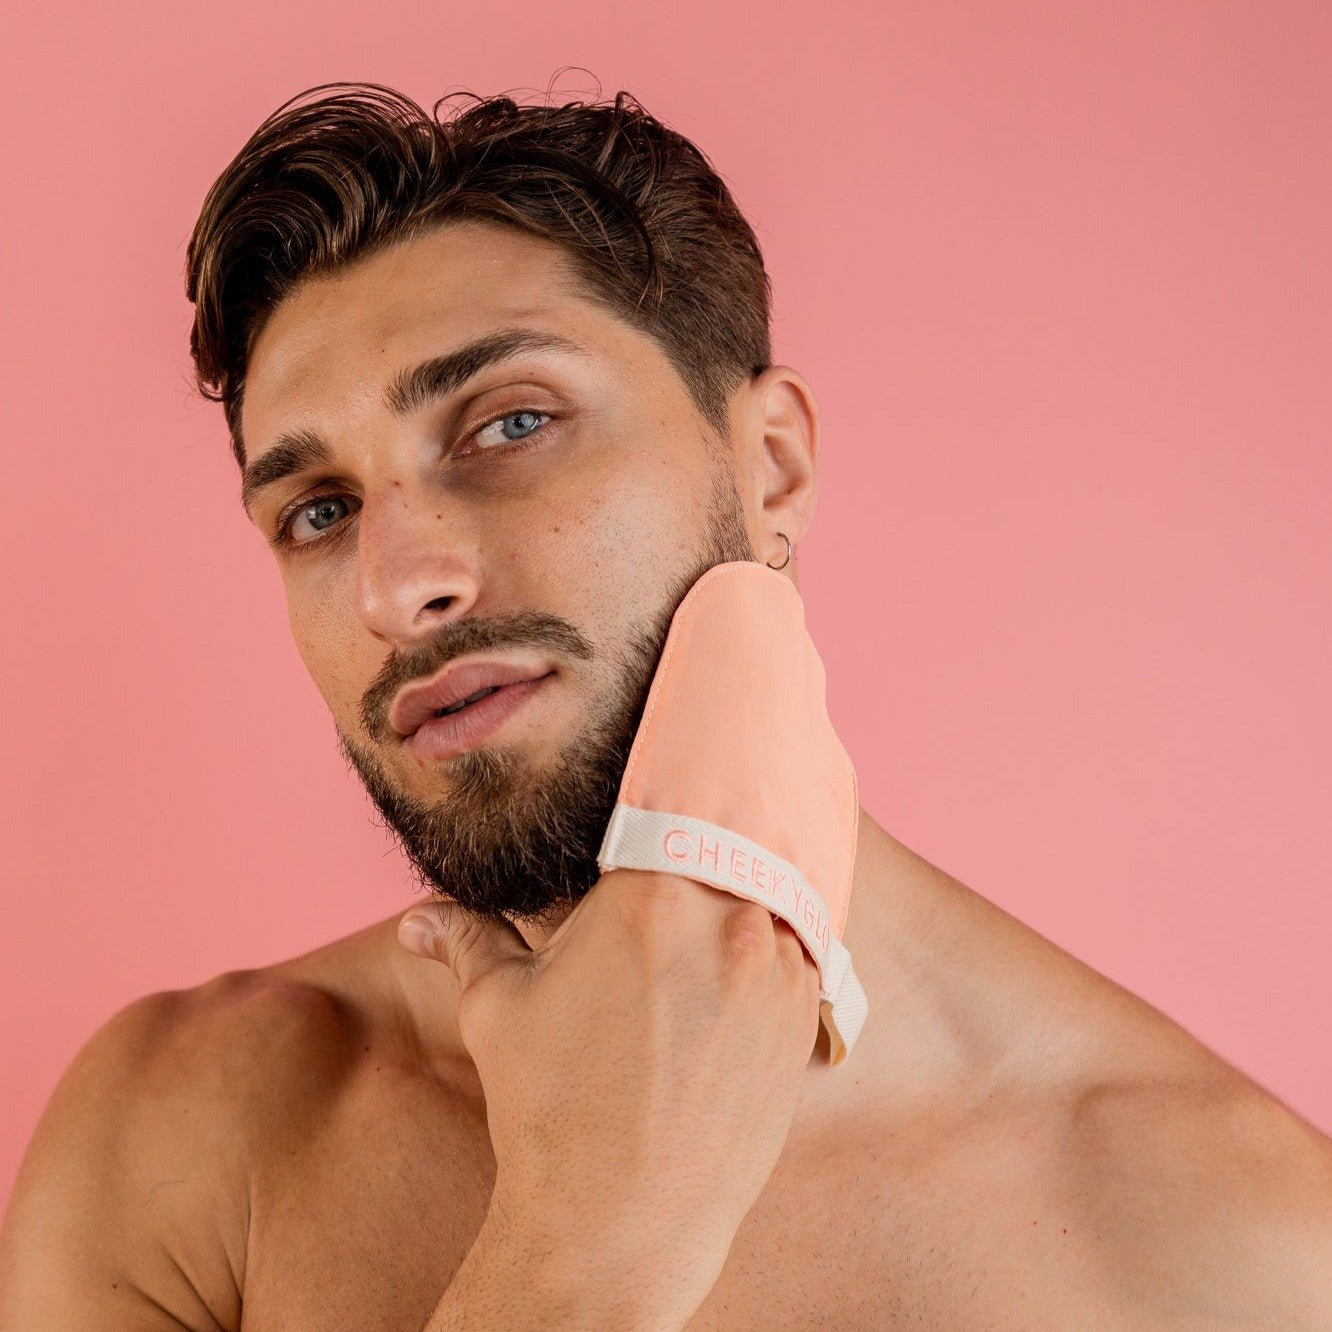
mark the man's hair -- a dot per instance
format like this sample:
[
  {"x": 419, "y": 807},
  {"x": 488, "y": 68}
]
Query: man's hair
[{"x": 344, "y": 169}]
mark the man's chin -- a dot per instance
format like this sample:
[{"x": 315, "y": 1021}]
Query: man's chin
[{"x": 503, "y": 840}]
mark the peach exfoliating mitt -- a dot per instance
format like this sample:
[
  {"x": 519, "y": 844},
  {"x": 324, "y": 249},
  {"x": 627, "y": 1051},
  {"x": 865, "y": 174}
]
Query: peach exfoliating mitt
[{"x": 737, "y": 779}]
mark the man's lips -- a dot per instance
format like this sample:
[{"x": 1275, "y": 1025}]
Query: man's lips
[
  {"x": 443, "y": 737},
  {"x": 418, "y": 703}
]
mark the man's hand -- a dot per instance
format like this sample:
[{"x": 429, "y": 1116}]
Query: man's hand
[{"x": 640, "y": 1072}]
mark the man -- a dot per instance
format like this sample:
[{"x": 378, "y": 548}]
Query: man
[{"x": 501, "y": 391}]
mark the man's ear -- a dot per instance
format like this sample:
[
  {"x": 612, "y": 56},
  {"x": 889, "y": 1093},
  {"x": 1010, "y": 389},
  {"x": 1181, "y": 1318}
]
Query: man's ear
[{"x": 782, "y": 457}]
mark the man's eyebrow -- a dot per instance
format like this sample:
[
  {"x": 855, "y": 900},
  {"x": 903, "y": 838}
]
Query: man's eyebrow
[
  {"x": 442, "y": 375},
  {"x": 293, "y": 452},
  {"x": 408, "y": 391}
]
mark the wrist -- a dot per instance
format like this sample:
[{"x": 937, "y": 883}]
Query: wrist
[{"x": 523, "y": 1278}]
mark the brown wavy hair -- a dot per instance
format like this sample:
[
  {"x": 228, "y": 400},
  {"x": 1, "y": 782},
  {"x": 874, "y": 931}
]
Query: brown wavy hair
[{"x": 345, "y": 168}]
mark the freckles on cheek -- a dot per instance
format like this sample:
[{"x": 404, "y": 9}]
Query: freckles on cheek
[
  {"x": 306, "y": 641},
  {"x": 630, "y": 508},
  {"x": 314, "y": 632},
  {"x": 646, "y": 521}
]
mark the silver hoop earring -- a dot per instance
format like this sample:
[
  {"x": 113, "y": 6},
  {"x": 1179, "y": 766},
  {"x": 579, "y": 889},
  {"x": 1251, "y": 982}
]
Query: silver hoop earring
[{"x": 787, "y": 560}]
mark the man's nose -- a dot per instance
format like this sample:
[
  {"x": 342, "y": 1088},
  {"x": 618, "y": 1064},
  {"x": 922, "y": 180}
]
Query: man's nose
[{"x": 415, "y": 564}]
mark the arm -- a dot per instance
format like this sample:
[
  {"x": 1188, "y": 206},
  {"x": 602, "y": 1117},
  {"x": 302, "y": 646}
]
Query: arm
[
  {"x": 1283, "y": 1246},
  {"x": 640, "y": 1075},
  {"x": 559, "y": 1290},
  {"x": 1218, "y": 1206},
  {"x": 93, "y": 1235}
]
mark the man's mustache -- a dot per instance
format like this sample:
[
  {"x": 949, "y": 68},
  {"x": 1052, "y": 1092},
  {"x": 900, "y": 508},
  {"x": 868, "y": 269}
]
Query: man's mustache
[{"x": 460, "y": 639}]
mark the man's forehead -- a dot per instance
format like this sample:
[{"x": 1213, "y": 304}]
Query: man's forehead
[
  {"x": 456, "y": 282},
  {"x": 349, "y": 333}
]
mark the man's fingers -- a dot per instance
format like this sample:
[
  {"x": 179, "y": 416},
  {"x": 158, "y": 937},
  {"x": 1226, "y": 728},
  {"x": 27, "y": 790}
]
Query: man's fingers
[{"x": 468, "y": 944}]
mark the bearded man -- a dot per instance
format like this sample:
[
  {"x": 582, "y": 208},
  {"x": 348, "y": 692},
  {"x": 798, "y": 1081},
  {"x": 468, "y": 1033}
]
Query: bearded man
[{"x": 500, "y": 389}]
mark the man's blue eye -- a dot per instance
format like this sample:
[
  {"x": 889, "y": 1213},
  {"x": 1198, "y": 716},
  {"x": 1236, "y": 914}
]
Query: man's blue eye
[
  {"x": 526, "y": 423},
  {"x": 319, "y": 511},
  {"x": 514, "y": 426}
]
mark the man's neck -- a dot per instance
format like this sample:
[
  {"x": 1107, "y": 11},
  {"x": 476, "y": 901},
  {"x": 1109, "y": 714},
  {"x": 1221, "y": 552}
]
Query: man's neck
[
  {"x": 891, "y": 934},
  {"x": 925, "y": 950}
]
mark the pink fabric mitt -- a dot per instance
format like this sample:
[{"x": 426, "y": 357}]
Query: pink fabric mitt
[{"x": 737, "y": 779}]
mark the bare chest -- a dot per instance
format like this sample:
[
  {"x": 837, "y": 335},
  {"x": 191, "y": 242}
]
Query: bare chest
[{"x": 366, "y": 1224}]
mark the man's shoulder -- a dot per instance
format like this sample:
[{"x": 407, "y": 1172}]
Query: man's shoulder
[
  {"x": 264, "y": 1033},
  {"x": 218, "y": 1063},
  {"x": 138, "y": 1171},
  {"x": 255, "y": 1053},
  {"x": 297, "y": 1025},
  {"x": 242, "y": 1046},
  {"x": 1205, "y": 1193}
]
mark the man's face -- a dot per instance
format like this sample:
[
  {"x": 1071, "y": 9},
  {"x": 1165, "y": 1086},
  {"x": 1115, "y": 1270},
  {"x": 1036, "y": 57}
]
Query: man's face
[{"x": 549, "y": 510}]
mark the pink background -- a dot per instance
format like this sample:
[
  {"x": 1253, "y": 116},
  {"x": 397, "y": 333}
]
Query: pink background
[{"x": 1060, "y": 277}]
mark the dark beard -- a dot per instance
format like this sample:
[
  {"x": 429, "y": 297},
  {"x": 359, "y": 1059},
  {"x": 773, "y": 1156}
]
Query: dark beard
[{"x": 506, "y": 843}]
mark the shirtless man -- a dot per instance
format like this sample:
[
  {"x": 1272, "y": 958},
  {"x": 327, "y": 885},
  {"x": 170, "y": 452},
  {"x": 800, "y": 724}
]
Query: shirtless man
[{"x": 490, "y": 432}]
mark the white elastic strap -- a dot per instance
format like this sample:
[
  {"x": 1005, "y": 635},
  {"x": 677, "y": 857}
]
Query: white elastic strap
[{"x": 645, "y": 839}]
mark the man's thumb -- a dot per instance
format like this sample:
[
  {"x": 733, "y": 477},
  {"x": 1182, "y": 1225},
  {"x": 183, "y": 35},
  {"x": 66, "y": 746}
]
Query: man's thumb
[{"x": 468, "y": 944}]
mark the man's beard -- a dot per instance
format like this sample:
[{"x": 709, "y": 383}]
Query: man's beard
[{"x": 507, "y": 841}]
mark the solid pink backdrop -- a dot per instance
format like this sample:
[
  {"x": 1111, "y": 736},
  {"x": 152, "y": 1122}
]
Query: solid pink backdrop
[{"x": 1060, "y": 278}]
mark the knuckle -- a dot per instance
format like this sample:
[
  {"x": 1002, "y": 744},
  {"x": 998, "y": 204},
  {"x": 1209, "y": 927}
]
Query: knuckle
[
  {"x": 651, "y": 888},
  {"x": 799, "y": 964},
  {"x": 813, "y": 991},
  {"x": 812, "y": 979},
  {"x": 461, "y": 935},
  {"x": 644, "y": 899},
  {"x": 747, "y": 930},
  {"x": 476, "y": 1017},
  {"x": 789, "y": 946}
]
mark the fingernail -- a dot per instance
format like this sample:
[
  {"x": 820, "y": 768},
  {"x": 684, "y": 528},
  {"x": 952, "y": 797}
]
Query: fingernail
[{"x": 416, "y": 934}]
